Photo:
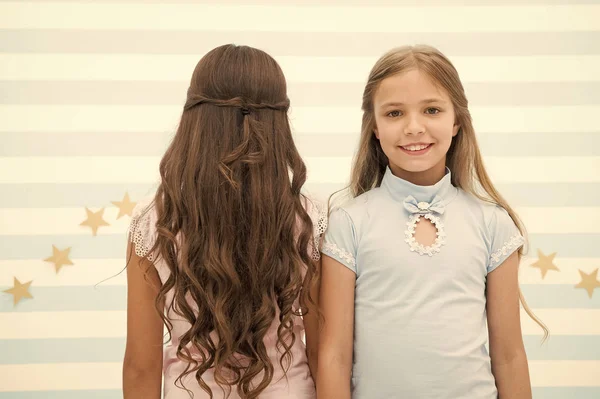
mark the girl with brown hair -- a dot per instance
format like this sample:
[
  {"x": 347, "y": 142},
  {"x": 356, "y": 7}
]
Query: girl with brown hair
[{"x": 226, "y": 254}]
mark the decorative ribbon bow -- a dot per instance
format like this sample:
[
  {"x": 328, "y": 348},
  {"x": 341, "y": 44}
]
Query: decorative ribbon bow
[{"x": 437, "y": 205}]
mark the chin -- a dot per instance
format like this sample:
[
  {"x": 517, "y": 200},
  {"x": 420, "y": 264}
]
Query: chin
[{"x": 413, "y": 167}]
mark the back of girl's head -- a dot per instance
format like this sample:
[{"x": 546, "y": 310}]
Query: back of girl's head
[
  {"x": 228, "y": 206},
  {"x": 232, "y": 71}
]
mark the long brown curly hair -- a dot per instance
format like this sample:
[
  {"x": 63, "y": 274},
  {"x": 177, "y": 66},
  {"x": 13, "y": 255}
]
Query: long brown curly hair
[{"x": 232, "y": 226}]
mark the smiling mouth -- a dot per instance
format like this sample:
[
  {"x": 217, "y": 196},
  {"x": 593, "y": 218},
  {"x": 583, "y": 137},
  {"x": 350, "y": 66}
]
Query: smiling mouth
[{"x": 416, "y": 149}]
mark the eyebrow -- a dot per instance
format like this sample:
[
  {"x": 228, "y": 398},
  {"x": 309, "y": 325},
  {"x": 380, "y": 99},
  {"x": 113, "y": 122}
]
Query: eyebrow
[{"x": 426, "y": 101}]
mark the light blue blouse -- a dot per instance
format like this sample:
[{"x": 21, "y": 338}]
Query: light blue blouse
[{"x": 420, "y": 321}]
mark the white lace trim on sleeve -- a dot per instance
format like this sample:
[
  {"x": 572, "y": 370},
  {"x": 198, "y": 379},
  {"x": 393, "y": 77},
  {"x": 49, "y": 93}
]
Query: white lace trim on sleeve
[
  {"x": 509, "y": 246},
  {"x": 319, "y": 228},
  {"x": 139, "y": 230},
  {"x": 342, "y": 254}
]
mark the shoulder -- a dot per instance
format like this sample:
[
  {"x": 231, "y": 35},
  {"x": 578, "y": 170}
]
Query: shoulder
[
  {"x": 486, "y": 211},
  {"x": 357, "y": 208}
]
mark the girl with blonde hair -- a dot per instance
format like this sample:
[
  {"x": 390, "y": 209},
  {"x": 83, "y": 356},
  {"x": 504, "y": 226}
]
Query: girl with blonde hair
[{"x": 424, "y": 257}]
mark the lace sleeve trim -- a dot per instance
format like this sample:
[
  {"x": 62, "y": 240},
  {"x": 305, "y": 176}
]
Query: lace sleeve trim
[
  {"x": 139, "y": 231},
  {"x": 340, "y": 253},
  {"x": 509, "y": 247},
  {"x": 319, "y": 228}
]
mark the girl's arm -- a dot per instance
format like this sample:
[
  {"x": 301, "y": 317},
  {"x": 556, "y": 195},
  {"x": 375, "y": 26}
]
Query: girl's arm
[
  {"x": 142, "y": 365},
  {"x": 509, "y": 361},
  {"x": 337, "y": 333},
  {"x": 311, "y": 328}
]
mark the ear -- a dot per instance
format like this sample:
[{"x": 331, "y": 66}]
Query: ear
[
  {"x": 455, "y": 130},
  {"x": 376, "y": 133}
]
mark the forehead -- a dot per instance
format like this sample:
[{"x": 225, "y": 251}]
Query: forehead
[{"x": 409, "y": 87}]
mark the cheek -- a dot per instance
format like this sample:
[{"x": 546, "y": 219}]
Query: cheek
[
  {"x": 443, "y": 129},
  {"x": 386, "y": 130},
  {"x": 386, "y": 136}
]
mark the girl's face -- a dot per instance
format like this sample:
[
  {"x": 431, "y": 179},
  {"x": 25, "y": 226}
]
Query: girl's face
[{"x": 415, "y": 124}]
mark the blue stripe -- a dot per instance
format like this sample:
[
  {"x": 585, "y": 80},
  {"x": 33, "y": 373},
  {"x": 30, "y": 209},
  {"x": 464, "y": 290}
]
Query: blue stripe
[
  {"x": 114, "y": 246},
  {"x": 76, "y": 298},
  {"x": 559, "y": 296},
  {"x": 538, "y": 393},
  {"x": 83, "y": 246},
  {"x": 107, "y": 297},
  {"x": 563, "y": 347},
  {"x": 99, "y": 350},
  {"x": 70, "y": 350},
  {"x": 97, "y": 195}
]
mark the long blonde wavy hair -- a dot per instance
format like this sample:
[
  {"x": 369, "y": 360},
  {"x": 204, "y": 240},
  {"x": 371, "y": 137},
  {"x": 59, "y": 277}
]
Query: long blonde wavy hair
[{"x": 463, "y": 157}]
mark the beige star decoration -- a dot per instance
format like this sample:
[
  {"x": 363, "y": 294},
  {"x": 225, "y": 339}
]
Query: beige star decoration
[
  {"x": 59, "y": 258},
  {"x": 589, "y": 281},
  {"x": 545, "y": 263},
  {"x": 19, "y": 291},
  {"x": 125, "y": 207},
  {"x": 94, "y": 220}
]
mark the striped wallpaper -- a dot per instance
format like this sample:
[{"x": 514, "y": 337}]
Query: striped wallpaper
[{"x": 91, "y": 92}]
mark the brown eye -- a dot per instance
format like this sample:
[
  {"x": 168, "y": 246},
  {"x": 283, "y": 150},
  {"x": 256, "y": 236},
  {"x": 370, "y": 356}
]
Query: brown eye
[
  {"x": 432, "y": 111},
  {"x": 394, "y": 114}
]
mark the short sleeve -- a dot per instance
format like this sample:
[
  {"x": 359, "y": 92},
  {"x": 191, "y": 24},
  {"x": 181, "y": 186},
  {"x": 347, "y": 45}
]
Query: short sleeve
[
  {"x": 505, "y": 238},
  {"x": 339, "y": 242},
  {"x": 142, "y": 230},
  {"x": 318, "y": 215}
]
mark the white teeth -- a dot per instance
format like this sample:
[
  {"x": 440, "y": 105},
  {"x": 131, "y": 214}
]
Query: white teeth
[{"x": 416, "y": 147}]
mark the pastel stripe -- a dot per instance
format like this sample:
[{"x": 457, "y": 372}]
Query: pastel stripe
[
  {"x": 66, "y": 221},
  {"x": 99, "y": 350},
  {"x": 69, "y": 92},
  {"x": 218, "y": 18},
  {"x": 159, "y": 67},
  {"x": 309, "y": 145},
  {"x": 113, "y": 246},
  {"x": 331, "y": 120},
  {"x": 75, "y": 376},
  {"x": 80, "y": 169},
  {"x": 111, "y": 272},
  {"x": 65, "y": 195},
  {"x": 113, "y": 298},
  {"x": 331, "y": 44},
  {"x": 112, "y": 324},
  {"x": 83, "y": 272}
]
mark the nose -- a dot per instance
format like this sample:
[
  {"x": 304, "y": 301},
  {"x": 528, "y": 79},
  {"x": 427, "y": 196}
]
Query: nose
[{"x": 414, "y": 125}]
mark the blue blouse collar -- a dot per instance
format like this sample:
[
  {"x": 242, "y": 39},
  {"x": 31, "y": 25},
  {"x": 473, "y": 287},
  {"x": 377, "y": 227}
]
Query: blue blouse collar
[{"x": 399, "y": 188}]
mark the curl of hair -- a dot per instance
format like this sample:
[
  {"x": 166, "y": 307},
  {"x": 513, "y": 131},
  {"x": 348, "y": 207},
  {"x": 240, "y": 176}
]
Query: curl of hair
[{"x": 232, "y": 226}]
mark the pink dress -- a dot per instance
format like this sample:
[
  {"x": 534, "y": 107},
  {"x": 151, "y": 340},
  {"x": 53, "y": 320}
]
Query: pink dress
[{"x": 298, "y": 384}]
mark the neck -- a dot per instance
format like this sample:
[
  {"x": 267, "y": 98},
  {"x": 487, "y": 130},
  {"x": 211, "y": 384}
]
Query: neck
[{"x": 426, "y": 178}]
